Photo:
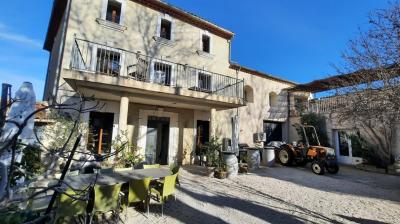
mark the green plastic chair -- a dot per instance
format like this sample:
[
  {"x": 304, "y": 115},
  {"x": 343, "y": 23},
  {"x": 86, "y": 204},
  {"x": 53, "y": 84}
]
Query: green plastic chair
[
  {"x": 166, "y": 189},
  {"x": 139, "y": 191},
  {"x": 149, "y": 166},
  {"x": 72, "y": 173},
  {"x": 69, "y": 208},
  {"x": 39, "y": 202},
  {"x": 106, "y": 199},
  {"x": 106, "y": 171},
  {"x": 175, "y": 169}
]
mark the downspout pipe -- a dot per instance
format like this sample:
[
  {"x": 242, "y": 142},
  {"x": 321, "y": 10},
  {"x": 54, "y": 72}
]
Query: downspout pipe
[
  {"x": 237, "y": 92},
  {"x": 288, "y": 115}
]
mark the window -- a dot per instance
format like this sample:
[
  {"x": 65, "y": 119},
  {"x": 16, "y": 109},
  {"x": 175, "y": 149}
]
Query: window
[
  {"x": 165, "y": 29},
  {"x": 113, "y": 11},
  {"x": 248, "y": 94},
  {"x": 206, "y": 43},
  {"x": 162, "y": 73},
  {"x": 204, "y": 81},
  {"x": 108, "y": 62},
  {"x": 273, "y": 99},
  {"x": 300, "y": 103}
]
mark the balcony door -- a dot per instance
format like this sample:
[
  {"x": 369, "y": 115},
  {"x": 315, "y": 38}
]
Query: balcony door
[
  {"x": 157, "y": 140},
  {"x": 100, "y": 132},
  {"x": 158, "y": 136},
  {"x": 108, "y": 62},
  {"x": 204, "y": 81},
  {"x": 348, "y": 147},
  {"x": 162, "y": 73},
  {"x": 202, "y": 135}
]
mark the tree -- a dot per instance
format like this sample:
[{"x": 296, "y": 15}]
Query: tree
[
  {"x": 371, "y": 81},
  {"x": 62, "y": 145}
]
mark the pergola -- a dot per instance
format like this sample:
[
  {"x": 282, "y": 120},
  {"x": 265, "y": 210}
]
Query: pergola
[{"x": 344, "y": 80}]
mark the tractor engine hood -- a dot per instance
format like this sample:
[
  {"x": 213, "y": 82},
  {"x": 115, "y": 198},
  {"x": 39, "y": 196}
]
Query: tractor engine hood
[{"x": 322, "y": 149}]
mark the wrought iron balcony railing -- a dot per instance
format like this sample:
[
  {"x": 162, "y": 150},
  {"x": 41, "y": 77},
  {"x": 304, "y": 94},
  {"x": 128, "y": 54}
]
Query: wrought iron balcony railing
[
  {"x": 101, "y": 59},
  {"x": 320, "y": 106}
]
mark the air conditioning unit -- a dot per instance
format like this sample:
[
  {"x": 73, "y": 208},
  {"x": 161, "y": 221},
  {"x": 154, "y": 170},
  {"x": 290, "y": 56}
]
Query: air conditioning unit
[{"x": 260, "y": 137}]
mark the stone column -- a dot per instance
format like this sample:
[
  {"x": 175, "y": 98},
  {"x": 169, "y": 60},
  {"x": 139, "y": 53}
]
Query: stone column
[
  {"x": 123, "y": 115},
  {"x": 212, "y": 122}
]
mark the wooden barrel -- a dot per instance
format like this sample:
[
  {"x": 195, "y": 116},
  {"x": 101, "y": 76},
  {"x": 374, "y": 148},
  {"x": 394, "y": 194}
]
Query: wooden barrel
[
  {"x": 232, "y": 166},
  {"x": 253, "y": 158}
]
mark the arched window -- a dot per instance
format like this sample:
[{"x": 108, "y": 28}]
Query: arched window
[
  {"x": 273, "y": 99},
  {"x": 248, "y": 94}
]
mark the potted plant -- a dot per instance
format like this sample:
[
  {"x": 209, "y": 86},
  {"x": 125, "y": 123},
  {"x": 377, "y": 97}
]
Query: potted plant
[
  {"x": 220, "y": 171},
  {"x": 212, "y": 151},
  {"x": 128, "y": 156},
  {"x": 214, "y": 157}
]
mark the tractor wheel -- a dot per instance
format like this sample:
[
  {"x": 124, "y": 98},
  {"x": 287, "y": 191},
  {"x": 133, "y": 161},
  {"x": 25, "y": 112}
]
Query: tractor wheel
[
  {"x": 318, "y": 168},
  {"x": 285, "y": 156},
  {"x": 333, "y": 169}
]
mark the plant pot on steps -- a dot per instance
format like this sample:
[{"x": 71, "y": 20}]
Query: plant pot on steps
[{"x": 220, "y": 174}]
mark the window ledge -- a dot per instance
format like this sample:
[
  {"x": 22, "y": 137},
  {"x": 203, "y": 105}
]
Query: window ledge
[
  {"x": 164, "y": 41},
  {"x": 205, "y": 54},
  {"x": 111, "y": 25}
]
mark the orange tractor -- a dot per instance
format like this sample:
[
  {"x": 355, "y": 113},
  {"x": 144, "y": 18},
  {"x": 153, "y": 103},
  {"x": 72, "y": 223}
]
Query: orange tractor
[{"x": 321, "y": 158}]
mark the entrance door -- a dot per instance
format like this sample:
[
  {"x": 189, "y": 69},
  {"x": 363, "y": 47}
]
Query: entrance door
[
  {"x": 100, "y": 132},
  {"x": 273, "y": 131},
  {"x": 157, "y": 140},
  {"x": 202, "y": 135},
  {"x": 346, "y": 151}
]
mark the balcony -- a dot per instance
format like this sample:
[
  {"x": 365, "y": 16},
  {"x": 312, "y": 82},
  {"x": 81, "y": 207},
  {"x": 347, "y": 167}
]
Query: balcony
[
  {"x": 157, "y": 74},
  {"x": 319, "y": 106}
]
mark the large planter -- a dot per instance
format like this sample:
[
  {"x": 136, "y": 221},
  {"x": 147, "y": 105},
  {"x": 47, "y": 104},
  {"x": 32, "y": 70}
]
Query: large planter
[
  {"x": 268, "y": 156},
  {"x": 253, "y": 158},
  {"x": 231, "y": 163},
  {"x": 220, "y": 174}
]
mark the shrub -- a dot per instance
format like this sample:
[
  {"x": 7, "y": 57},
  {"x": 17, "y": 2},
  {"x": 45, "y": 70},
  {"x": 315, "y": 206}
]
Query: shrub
[
  {"x": 212, "y": 151},
  {"x": 318, "y": 121}
]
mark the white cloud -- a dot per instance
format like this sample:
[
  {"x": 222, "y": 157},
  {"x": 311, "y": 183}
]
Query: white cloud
[
  {"x": 16, "y": 79},
  {"x": 18, "y": 38}
]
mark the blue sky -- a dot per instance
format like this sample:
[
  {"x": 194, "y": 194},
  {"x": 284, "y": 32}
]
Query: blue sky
[{"x": 292, "y": 39}]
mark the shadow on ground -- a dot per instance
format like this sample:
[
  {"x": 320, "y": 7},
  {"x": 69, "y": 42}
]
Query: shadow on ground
[
  {"x": 374, "y": 185},
  {"x": 361, "y": 221},
  {"x": 266, "y": 212}
]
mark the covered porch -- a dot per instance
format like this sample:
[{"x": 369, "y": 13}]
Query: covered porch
[{"x": 164, "y": 127}]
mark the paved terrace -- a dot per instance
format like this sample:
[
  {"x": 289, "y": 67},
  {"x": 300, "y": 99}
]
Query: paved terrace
[{"x": 280, "y": 195}]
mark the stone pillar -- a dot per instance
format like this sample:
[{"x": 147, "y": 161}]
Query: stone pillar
[
  {"x": 212, "y": 121},
  {"x": 123, "y": 115}
]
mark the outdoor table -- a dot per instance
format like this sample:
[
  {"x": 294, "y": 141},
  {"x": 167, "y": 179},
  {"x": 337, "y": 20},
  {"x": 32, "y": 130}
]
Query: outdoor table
[{"x": 83, "y": 180}]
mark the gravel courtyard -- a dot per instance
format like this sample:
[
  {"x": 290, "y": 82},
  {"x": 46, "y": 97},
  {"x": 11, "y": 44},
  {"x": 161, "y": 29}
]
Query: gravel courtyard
[{"x": 280, "y": 195}]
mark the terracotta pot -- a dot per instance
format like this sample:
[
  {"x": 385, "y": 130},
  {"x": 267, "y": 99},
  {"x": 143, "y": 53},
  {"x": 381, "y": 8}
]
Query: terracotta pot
[{"x": 220, "y": 174}]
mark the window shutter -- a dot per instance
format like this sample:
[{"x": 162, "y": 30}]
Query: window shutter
[
  {"x": 173, "y": 75},
  {"x": 158, "y": 27},
  {"x": 104, "y": 9},
  {"x": 172, "y": 29},
  {"x": 174, "y": 139},
  {"x": 211, "y": 44},
  {"x": 122, "y": 16},
  {"x": 122, "y": 69},
  {"x": 93, "y": 62}
]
